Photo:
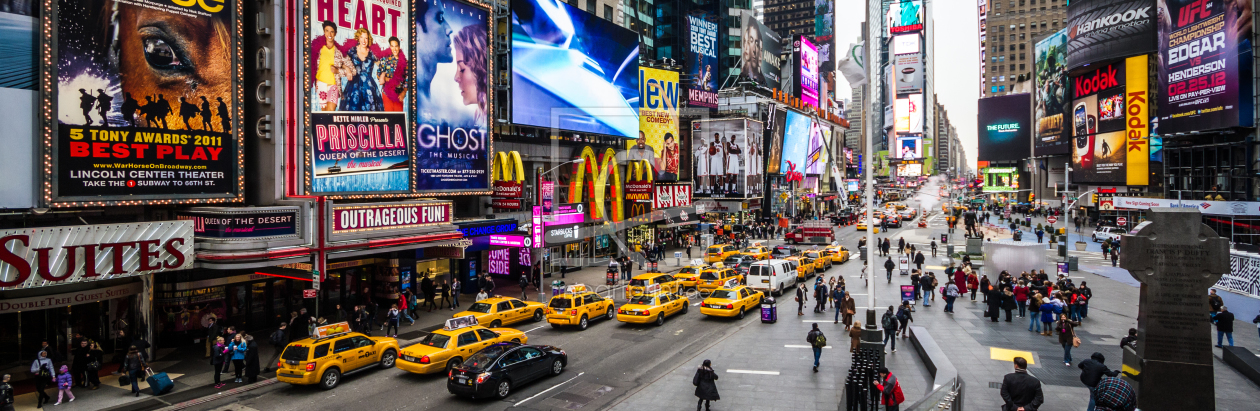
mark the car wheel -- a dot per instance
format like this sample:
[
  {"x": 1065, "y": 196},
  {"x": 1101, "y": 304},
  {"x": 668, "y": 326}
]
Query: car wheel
[
  {"x": 496, "y": 324},
  {"x": 741, "y": 313},
  {"x": 331, "y": 378},
  {"x": 557, "y": 367},
  {"x": 660, "y": 319},
  {"x": 685, "y": 308},
  {"x": 780, "y": 290},
  {"x": 538, "y": 315},
  {"x": 453, "y": 363},
  {"x": 503, "y": 389},
  {"x": 609, "y": 314},
  {"x": 582, "y": 324},
  {"x": 516, "y": 340},
  {"x": 388, "y": 359}
]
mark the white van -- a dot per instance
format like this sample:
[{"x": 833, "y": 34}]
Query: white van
[{"x": 771, "y": 275}]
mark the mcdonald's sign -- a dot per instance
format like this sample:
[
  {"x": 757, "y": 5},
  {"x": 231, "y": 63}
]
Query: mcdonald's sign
[
  {"x": 508, "y": 174},
  {"x": 599, "y": 170}
]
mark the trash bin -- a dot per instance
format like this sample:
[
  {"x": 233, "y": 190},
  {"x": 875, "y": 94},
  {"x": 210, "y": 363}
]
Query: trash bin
[
  {"x": 949, "y": 250},
  {"x": 769, "y": 311},
  {"x": 1072, "y": 261},
  {"x": 863, "y": 252},
  {"x": 557, "y": 288}
]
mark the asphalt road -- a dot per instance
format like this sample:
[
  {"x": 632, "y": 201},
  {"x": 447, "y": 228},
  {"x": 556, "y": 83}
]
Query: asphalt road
[{"x": 609, "y": 362}]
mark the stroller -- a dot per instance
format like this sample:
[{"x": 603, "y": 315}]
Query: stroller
[{"x": 1019, "y": 235}]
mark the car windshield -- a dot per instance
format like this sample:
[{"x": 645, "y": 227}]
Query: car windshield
[
  {"x": 811, "y": 255},
  {"x": 687, "y": 270},
  {"x": 482, "y": 359},
  {"x": 726, "y": 294},
  {"x": 715, "y": 250},
  {"x": 479, "y": 307},
  {"x": 638, "y": 283},
  {"x": 709, "y": 275},
  {"x": 436, "y": 340},
  {"x": 560, "y": 303},
  {"x": 745, "y": 264},
  {"x": 295, "y": 353},
  {"x": 642, "y": 299}
]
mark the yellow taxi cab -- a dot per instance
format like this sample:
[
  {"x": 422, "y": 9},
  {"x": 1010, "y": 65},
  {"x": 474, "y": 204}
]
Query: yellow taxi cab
[
  {"x": 577, "y": 306},
  {"x": 652, "y": 307},
  {"x": 839, "y": 254},
  {"x": 688, "y": 275},
  {"x": 898, "y": 205},
  {"x": 718, "y": 253},
  {"x": 757, "y": 252},
  {"x": 731, "y": 301},
  {"x": 822, "y": 260},
  {"x": 499, "y": 310},
  {"x": 804, "y": 267},
  {"x": 447, "y": 348},
  {"x": 333, "y": 352},
  {"x": 713, "y": 278},
  {"x": 640, "y": 283}
]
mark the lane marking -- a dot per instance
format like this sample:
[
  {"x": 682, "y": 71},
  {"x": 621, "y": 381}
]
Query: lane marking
[
  {"x": 549, "y": 389},
  {"x": 698, "y": 303},
  {"x": 803, "y": 346},
  {"x": 752, "y": 372},
  {"x": 532, "y": 329}
]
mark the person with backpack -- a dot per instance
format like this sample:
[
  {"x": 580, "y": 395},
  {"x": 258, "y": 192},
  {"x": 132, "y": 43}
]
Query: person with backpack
[
  {"x": 950, "y": 293},
  {"x": 890, "y": 390},
  {"x": 277, "y": 340},
  {"x": 524, "y": 283},
  {"x": 934, "y": 248},
  {"x": 927, "y": 284},
  {"x": 705, "y": 382},
  {"x": 905, "y": 317},
  {"x": 889, "y": 322},
  {"x": 889, "y": 266},
  {"x": 817, "y": 341},
  {"x": 42, "y": 368},
  {"x": 392, "y": 320}
]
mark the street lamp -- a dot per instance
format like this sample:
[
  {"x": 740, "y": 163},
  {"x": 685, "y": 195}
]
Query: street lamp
[{"x": 542, "y": 285}]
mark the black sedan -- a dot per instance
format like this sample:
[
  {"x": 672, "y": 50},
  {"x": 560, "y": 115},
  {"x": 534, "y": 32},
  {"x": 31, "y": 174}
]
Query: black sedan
[
  {"x": 782, "y": 251},
  {"x": 497, "y": 369}
]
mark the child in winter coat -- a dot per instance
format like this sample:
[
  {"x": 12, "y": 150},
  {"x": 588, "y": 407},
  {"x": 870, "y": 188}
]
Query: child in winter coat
[{"x": 65, "y": 381}]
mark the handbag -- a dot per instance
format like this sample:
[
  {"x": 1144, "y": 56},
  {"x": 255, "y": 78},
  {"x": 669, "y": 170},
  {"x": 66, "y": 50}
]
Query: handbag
[
  {"x": 124, "y": 380},
  {"x": 1076, "y": 341},
  {"x": 94, "y": 365}
]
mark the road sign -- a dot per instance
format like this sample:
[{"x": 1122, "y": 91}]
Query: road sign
[
  {"x": 1052, "y": 219},
  {"x": 310, "y": 293},
  {"x": 1122, "y": 221}
]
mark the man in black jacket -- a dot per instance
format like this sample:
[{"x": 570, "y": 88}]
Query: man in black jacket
[
  {"x": 889, "y": 266},
  {"x": 1224, "y": 326},
  {"x": 212, "y": 331},
  {"x": 1092, "y": 371},
  {"x": 1020, "y": 391},
  {"x": 6, "y": 394},
  {"x": 919, "y": 260},
  {"x": 1131, "y": 340}
]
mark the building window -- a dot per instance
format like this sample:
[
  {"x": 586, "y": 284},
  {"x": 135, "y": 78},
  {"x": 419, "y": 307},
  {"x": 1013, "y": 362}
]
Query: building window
[
  {"x": 1021, "y": 67},
  {"x": 608, "y": 12},
  {"x": 590, "y": 6}
]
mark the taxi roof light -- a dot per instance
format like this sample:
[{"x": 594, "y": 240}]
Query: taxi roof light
[{"x": 460, "y": 322}]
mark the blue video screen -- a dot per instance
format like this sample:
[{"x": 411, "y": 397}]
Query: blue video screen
[{"x": 573, "y": 71}]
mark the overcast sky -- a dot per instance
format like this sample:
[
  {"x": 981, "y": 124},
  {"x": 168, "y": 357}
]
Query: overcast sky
[{"x": 957, "y": 56}]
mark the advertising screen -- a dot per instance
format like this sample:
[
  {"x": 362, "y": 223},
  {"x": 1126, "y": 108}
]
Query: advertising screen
[
  {"x": 796, "y": 138},
  {"x": 1204, "y": 66},
  {"x": 453, "y": 104},
  {"x": 701, "y": 59},
  {"x": 909, "y": 114},
  {"x": 904, "y": 17},
  {"x": 909, "y": 170},
  {"x": 1102, "y": 30},
  {"x": 1050, "y": 71},
  {"x": 909, "y": 147},
  {"x": 1111, "y": 105},
  {"x": 1003, "y": 127},
  {"x": 573, "y": 70},
  {"x": 824, "y": 17},
  {"x": 808, "y": 71},
  {"x": 816, "y": 155},
  {"x": 774, "y": 156},
  {"x": 146, "y": 96},
  {"x": 658, "y": 123},
  {"x": 728, "y": 158},
  {"x": 1001, "y": 179},
  {"x": 761, "y": 48},
  {"x": 359, "y": 102},
  {"x": 908, "y": 70},
  {"x": 906, "y": 43}
]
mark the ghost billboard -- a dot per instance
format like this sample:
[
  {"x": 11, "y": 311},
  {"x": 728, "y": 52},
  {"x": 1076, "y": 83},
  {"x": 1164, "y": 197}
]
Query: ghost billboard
[
  {"x": 453, "y": 98},
  {"x": 573, "y": 70},
  {"x": 1204, "y": 66},
  {"x": 356, "y": 89},
  {"x": 760, "y": 47},
  {"x": 728, "y": 158},
  {"x": 142, "y": 101}
]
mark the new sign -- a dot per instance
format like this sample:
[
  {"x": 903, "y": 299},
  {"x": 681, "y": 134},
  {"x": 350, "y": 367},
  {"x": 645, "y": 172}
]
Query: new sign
[{"x": 45, "y": 256}]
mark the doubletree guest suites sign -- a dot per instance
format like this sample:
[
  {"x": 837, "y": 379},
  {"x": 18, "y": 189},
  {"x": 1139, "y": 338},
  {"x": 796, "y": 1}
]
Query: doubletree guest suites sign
[{"x": 47, "y": 256}]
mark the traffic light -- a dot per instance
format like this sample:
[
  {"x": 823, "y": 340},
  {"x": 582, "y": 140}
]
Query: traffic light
[{"x": 1031, "y": 196}]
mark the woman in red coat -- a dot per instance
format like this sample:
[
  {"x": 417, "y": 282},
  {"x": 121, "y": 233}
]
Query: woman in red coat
[{"x": 973, "y": 284}]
